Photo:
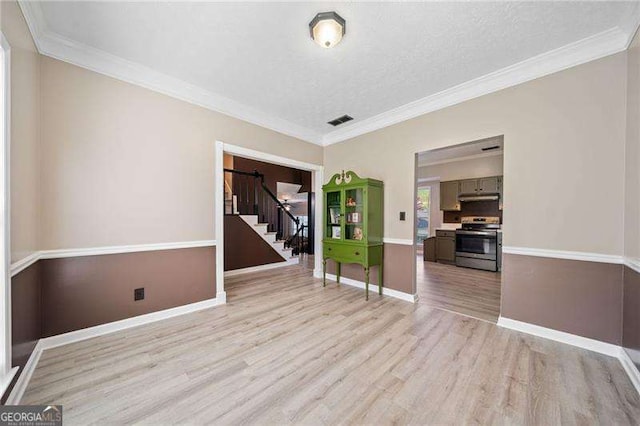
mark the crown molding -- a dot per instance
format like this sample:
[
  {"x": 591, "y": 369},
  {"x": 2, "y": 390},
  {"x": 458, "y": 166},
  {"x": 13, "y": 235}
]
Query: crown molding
[
  {"x": 61, "y": 48},
  {"x": 588, "y": 49},
  {"x": 591, "y": 48}
]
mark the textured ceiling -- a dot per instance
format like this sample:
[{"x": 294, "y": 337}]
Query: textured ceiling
[{"x": 260, "y": 54}]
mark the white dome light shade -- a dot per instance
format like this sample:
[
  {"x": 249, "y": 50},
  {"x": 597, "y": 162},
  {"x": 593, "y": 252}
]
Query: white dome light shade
[{"x": 327, "y": 29}]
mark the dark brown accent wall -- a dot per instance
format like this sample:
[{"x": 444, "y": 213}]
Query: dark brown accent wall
[
  {"x": 631, "y": 315},
  {"x": 26, "y": 313},
  {"x": 473, "y": 208},
  {"x": 397, "y": 272},
  {"x": 577, "y": 297},
  {"x": 26, "y": 318},
  {"x": 243, "y": 247},
  {"x": 80, "y": 292},
  {"x": 274, "y": 173}
]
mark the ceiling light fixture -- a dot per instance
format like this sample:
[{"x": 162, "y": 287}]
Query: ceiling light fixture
[{"x": 327, "y": 29}]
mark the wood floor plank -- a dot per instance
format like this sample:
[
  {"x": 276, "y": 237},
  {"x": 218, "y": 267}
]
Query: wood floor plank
[
  {"x": 466, "y": 291},
  {"x": 286, "y": 350}
]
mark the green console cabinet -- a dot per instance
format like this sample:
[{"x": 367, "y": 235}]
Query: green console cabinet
[{"x": 353, "y": 224}]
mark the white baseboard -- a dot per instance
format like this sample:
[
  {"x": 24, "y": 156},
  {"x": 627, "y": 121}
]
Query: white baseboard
[
  {"x": 6, "y": 380},
  {"x": 578, "y": 341},
  {"x": 99, "y": 330},
  {"x": 260, "y": 268},
  {"x": 25, "y": 376},
  {"x": 413, "y": 298},
  {"x": 400, "y": 241},
  {"x": 630, "y": 368},
  {"x": 561, "y": 336}
]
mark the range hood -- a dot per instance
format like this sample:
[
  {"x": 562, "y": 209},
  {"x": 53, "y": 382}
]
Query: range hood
[{"x": 477, "y": 197}]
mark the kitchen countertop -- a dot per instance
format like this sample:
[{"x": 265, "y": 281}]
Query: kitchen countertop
[{"x": 449, "y": 229}]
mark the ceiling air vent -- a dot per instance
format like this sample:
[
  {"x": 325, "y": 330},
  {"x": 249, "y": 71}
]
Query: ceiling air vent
[
  {"x": 340, "y": 120},
  {"x": 491, "y": 148}
]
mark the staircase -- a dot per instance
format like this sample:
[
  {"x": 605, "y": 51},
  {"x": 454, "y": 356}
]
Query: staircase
[
  {"x": 248, "y": 198},
  {"x": 270, "y": 237}
]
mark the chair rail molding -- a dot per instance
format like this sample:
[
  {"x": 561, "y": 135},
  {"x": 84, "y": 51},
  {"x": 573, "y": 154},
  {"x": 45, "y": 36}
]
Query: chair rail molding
[
  {"x": 562, "y": 254},
  {"x": 25, "y": 262}
]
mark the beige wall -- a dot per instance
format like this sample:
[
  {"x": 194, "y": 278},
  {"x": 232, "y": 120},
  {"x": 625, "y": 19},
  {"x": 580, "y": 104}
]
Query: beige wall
[
  {"x": 125, "y": 165},
  {"x": 25, "y": 128},
  {"x": 564, "y": 151},
  {"x": 463, "y": 169},
  {"x": 632, "y": 167}
]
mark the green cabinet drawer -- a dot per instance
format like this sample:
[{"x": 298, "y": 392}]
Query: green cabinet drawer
[{"x": 347, "y": 253}]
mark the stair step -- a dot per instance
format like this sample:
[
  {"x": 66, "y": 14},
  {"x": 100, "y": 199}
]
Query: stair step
[{"x": 261, "y": 228}]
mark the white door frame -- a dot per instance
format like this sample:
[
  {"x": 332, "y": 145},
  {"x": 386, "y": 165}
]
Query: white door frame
[
  {"x": 6, "y": 372},
  {"x": 317, "y": 178}
]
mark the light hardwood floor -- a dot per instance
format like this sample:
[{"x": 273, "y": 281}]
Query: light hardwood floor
[
  {"x": 467, "y": 291},
  {"x": 286, "y": 350}
]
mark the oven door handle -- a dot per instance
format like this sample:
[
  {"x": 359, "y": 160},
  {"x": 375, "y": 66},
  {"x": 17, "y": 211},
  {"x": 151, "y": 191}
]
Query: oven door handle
[{"x": 478, "y": 233}]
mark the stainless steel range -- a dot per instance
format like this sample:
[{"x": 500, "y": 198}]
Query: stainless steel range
[{"x": 479, "y": 243}]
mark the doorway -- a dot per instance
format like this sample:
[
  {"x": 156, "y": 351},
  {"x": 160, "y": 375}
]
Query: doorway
[
  {"x": 268, "y": 213},
  {"x": 458, "y": 229},
  {"x": 221, "y": 204}
]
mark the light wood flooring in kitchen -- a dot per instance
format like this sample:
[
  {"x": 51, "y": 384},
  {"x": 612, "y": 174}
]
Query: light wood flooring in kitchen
[
  {"x": 286, "y": 350},
  {"x": 467, "y": 291}
]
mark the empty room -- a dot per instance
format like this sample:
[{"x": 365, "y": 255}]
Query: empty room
[{"x": 358, "y": 213}]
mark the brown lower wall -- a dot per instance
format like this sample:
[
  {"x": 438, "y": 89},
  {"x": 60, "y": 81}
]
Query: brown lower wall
[
  {"x": 26, "y": 313},
  {"x": 398, "y": 270},
  {"x": 577, "y": 297},
  {"x": 631, "y": 315},
  {"x": 55, "y": 296},
  {"x": 80, "y": 292},
  {"x": 26, "y": 318}
]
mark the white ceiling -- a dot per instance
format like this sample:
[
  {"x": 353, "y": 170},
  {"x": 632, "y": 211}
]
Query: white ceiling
[
  {"x": 289, "y": 191},
  {"x": 256, "y": 61},
  {"x": 462, "y": 152}
]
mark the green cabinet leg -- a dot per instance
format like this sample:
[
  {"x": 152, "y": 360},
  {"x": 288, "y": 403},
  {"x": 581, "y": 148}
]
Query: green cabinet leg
[
  {"x": 366, "y": 290},
  {"x": 338, "y": 268},
  {"x": 324, "y": 272},
  {"x": 380, "y": 280}
]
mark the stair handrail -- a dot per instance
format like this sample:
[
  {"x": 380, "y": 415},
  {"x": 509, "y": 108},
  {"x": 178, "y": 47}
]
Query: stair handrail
[
  {"x": 280, "y": 205},
  {"x": 257, "y": 175},
  {"x": 266, "y": 189}
]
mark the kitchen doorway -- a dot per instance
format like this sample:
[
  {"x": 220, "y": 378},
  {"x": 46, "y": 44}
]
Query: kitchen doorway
[{"x": 458, "y": 227}]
